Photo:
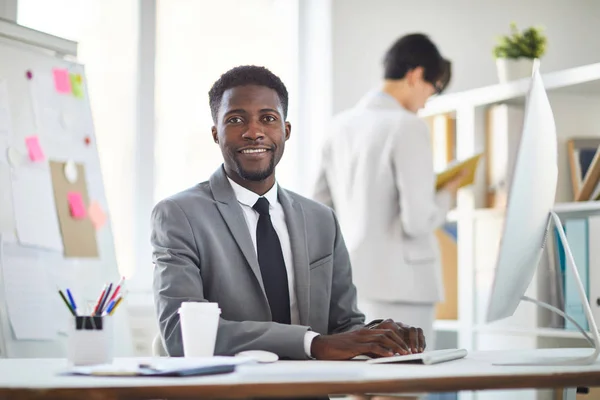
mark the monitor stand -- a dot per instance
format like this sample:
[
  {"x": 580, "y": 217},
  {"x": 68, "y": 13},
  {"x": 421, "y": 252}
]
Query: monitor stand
[{"x": 541, "y": 359}]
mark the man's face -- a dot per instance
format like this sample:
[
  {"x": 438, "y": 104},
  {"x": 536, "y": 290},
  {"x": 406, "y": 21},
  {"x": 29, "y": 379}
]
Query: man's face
[{"x": 251, "y": 131}]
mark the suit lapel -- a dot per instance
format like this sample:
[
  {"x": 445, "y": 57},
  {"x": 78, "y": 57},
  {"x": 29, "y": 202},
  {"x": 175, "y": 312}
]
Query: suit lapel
[
  {"x": 233, "y": 216},
  {"x": 294, "y": 217}
]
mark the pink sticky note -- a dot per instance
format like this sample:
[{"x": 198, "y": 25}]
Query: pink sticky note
[
  {"x": 36, "y": 153},
  {"x": 62, "y": 81},
  {"x": 76, "y": 205},
  {"x": 97, "y": 215}
]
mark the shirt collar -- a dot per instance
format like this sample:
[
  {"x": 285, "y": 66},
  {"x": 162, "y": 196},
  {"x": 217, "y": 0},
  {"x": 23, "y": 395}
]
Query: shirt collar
[{"x": 249, "y": 198}]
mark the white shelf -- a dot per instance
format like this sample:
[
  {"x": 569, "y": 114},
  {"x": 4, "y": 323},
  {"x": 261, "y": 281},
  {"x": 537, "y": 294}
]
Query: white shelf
[
  {"x": 540, "y": 332},
  {"x": 582, "y": 80},
  {"x": 577, "y": 207},
  {"x": 570, "y": 209}
]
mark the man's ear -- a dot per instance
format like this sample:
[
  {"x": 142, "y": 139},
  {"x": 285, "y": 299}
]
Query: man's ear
[
  {"x": 215, "y": 135},
  {"x": 415, "y": 75},
  {"x": 288, "y": 130}
]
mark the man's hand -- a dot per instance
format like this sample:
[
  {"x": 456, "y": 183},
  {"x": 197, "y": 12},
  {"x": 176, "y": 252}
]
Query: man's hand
[
  {"x": 411, "y": 335},
  {"x": 384, "y": 340}
]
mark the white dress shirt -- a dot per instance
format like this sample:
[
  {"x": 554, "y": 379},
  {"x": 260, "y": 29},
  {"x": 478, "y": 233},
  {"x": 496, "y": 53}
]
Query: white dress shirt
[{"x": 247, "y": 199}]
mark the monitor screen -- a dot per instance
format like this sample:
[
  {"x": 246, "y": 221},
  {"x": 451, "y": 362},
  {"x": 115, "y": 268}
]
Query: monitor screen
[{"x": 530, "y": 199}]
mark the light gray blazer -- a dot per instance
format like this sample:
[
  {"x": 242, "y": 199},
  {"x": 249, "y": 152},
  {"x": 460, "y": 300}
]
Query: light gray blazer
[
  {"x": 377, "y": 173},
  {"x": 202, "y": 251}
]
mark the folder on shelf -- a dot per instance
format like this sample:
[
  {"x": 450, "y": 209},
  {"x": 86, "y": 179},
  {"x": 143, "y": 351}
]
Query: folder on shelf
[{"x": 470, "y": 164}]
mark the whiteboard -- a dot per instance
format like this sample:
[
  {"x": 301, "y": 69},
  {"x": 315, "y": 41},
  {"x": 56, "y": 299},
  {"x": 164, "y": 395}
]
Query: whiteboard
[{"x": 62, "y": 139}]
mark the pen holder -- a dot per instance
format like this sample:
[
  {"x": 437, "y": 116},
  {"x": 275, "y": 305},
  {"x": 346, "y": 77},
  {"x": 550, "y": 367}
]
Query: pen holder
[{"x": 90, "y": 340}]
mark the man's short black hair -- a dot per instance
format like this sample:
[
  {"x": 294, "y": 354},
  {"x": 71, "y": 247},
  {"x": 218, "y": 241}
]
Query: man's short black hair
[
  {"x": 242, "y": 76},
  {"x": 417, "y": 50}
]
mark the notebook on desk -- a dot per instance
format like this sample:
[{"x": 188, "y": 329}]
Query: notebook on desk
[{"x": 426, "y": 358}]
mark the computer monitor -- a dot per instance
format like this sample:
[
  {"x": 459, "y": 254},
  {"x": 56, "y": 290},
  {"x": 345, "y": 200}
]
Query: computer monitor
[{"x": 529, "y": 218}]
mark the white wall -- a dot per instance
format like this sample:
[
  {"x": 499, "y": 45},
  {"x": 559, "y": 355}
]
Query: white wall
[{"x": 465, "y": 31}]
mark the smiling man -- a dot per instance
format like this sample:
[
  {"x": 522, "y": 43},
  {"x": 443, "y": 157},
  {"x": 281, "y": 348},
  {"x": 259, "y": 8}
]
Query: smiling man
[{"x": 274, "y": 261}]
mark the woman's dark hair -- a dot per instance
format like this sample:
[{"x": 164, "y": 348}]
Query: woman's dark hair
[{"x": 417, "y": 50}]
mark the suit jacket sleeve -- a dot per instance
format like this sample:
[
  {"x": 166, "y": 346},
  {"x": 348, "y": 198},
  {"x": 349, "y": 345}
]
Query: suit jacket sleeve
[
  {"x": 178, "y": 278},
  {"x": 343, "y": 311},
  {"x": 422, "y": 209}
]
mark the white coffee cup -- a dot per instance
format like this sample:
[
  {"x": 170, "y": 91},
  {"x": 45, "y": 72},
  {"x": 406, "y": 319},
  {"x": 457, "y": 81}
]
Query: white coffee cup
[{"x": 199, "y": 324}]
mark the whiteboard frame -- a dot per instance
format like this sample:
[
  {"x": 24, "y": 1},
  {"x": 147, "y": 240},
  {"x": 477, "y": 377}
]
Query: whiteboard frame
[{"x": 62, "y": 47}]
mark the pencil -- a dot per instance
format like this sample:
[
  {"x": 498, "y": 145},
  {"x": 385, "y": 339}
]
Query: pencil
[
  {"x": 66, "y": 302},
  {"x": 95, "y": 312},
  {"x": 116, "y": 292},
  {"x": 103, "y": 303}
]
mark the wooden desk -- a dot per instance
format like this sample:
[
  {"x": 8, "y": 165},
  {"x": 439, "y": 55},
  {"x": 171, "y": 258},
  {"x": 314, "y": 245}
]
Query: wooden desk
[{"x": 26, "y": 379}]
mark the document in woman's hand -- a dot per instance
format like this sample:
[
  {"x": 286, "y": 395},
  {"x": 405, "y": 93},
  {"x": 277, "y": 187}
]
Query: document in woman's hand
[{"x": 470, "y": 164}]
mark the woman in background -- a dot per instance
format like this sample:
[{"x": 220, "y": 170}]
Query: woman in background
[{"x": 377, "y": 173}]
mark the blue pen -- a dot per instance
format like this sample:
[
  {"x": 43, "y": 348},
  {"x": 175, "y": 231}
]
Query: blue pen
[
  {"x": 109, "y": 308},
  {"x": 72, "y": 301}
]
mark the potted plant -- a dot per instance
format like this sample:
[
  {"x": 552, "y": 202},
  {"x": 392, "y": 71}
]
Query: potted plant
[{"x": 516, "y": 53}]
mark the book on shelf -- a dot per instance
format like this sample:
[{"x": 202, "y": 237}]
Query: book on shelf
[{"x": 584, "y": 165}]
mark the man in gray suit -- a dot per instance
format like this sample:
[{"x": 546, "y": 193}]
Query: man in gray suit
[{"x": 274, "y": 261}]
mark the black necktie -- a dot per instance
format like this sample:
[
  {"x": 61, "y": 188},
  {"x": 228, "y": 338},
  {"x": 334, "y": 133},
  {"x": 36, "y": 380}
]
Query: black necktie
[{"x": 272, "y": 265}]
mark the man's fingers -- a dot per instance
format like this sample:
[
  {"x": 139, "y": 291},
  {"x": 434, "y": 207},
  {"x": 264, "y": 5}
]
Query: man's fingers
[
  {"x": 389, "y": 339},
  {"x": 377, "y": 350},
  {"x": 399, "y": 334},
  {"x": 422, "y": 342},
  {"x": 413, "y": 340}
]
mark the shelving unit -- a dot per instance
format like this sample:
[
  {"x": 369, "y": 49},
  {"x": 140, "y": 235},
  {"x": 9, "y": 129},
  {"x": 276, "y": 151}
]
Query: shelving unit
[
  {"x": 541, "y": 332},
  {"x": 575, "y": 99}
]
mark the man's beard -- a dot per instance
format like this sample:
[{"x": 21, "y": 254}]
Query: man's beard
[{"x": 255, "y": 176}]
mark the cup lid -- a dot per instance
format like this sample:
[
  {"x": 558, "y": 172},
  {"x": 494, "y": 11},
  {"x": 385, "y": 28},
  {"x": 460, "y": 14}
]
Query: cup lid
[{"x": 200, "y": 306}]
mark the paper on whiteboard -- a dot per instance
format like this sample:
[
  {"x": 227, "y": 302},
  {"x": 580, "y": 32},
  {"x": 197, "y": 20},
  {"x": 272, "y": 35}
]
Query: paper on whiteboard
[
  {"x": 46, "y": 105},
  {"x": 35, "y": 210},
  {"x": 7, "y": 217},
  {"x": 31, "y": 303},
  {"x": 5, "y": 122}
]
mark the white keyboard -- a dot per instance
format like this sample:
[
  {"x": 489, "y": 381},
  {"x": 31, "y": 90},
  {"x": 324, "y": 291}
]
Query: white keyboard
[{"x": 426, "y": 358}]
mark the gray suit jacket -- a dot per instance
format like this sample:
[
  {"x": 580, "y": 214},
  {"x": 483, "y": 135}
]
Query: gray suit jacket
[{"x": 202, "y": 251}]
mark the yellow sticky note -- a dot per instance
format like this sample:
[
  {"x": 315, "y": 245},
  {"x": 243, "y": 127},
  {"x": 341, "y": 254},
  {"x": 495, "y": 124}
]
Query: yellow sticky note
[
  {"x": 76, "y": 85},
  {"x": 97, "y": 215}
]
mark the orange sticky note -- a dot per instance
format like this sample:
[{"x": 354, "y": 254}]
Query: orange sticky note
[
  {"x": 76, "y": 206},
  {"x": 36, "y": 153},
  {"x": 62, "y": 81},
  {"x": 97, "y": 215}
]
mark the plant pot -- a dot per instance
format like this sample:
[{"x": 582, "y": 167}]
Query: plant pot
[{"x": 510, "y": 69}]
